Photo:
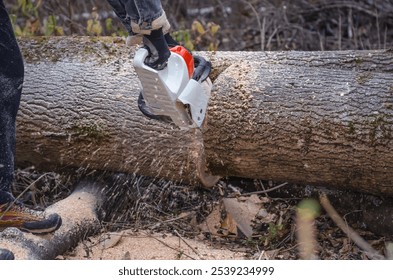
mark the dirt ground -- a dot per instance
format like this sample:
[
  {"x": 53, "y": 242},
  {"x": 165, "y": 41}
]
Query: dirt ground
[{"x": 128, "y": 245}]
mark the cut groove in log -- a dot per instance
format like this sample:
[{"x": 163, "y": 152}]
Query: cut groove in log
[
  {"x": 84, "y": 114},
  {"x": 322, "y": 118}
]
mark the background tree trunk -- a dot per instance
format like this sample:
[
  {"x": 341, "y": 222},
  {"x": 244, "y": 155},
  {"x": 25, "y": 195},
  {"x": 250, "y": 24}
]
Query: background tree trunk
[{"x": 322, "y": 118}]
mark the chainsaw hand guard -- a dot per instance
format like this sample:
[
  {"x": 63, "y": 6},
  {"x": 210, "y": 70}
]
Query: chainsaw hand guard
[{"x": 170, "y": 94}]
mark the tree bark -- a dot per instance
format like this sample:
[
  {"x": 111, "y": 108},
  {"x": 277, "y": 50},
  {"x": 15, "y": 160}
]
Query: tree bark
[
  {"x": 79, "y": 109},
  {"x": 321, "y": 118},
  {"x": 308, "y": 118}
]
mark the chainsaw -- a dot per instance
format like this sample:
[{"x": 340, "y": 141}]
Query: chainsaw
[{"x": 177, "y": 94}]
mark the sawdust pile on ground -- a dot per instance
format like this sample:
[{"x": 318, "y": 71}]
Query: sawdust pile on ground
[{"x": 128, "y": 245}]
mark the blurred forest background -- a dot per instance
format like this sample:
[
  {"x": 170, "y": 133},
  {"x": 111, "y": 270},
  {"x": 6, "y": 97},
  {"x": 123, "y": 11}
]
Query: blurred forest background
[{"x": 235, "y": 25}]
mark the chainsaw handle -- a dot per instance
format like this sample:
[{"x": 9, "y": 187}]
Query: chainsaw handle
[{"x": 202, "y": 69}]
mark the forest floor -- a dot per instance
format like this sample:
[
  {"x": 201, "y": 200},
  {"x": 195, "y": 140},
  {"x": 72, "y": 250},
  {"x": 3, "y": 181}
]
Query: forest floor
[{"x": 145, "y": 218}]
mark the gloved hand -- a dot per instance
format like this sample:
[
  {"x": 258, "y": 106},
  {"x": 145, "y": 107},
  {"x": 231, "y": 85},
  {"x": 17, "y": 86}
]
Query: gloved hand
[
  {"x": 151, "y": 35},
  {"x": 158, "y": 49},
  {"x": 157, "y": 46}
]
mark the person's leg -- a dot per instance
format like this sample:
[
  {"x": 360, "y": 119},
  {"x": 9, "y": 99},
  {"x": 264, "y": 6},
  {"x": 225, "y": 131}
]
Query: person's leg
[
  {"x": 11, "y": 80},
  {"x": 120, "y": 11},
  {"x": 12, "y": 212},
  {"x": 147, "y": 15},
  {"x": 149, "y": 19},
  {"x": 146, "y": 23}
]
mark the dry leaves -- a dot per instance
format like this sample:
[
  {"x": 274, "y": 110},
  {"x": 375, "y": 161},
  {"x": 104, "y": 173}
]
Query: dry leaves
[{"x": 233, "y": 217}]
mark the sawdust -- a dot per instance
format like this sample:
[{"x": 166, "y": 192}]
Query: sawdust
[
  {"x": 150, "y": 246},
  {"x": 12, "y": 243},
  {"x": 78, "y": 207}
]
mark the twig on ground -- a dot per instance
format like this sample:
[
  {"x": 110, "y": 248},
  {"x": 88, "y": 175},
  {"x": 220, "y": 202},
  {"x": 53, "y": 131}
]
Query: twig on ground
[
  {"x": 170, "y": 247},
  {"x": 21, "y": 194},
  {"x": 261, "y": 256},
  {"x": 353, "y": 235},
  {"x": 162, "y": 242},
  {"x": 266, "y": 191},
  {"x": 174, "y": 219},
  {"x": 189, "y": 246}
]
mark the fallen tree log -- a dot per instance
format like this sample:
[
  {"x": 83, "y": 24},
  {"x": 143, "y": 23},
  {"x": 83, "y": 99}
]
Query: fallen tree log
[
  {"x": 79, "y": 109},
  {"x": 312, "y": 120},
  {"x": 80, "y": 220},
  {"x": 322, "y": 118}
]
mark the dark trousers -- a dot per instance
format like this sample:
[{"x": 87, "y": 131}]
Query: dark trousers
[{"x": 11, "y": 81}]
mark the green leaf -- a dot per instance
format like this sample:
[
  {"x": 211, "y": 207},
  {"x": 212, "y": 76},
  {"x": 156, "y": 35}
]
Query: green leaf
[
  {"x": 18, "y": 31},
  {"x": 189, "y": 45},
  {"x": 197, "y": 26},
  {"x": 94, "y": 27},
  {"x": 89, "y": 25},
  {"x": 50, "y": 25},
  {"x": 108, "y": 25},
  {"x": 59, "y": 31},
  {"x": 97, "y": 28},
  {"x": 214, "y": 28}
]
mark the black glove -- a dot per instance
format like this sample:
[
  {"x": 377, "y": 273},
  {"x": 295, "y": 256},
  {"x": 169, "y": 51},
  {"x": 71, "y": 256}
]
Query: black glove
[{"x": 158, "y": 49}]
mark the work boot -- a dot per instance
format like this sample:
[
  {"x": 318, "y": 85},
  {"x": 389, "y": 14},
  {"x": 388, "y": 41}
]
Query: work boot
[
  {"x": 16, "y": 214},
  {"x": 158, "y": 49},
  {"x": 6, "y": 255}
]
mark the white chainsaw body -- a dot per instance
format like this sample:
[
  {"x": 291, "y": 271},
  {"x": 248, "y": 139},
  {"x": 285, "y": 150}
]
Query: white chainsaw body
[{"x": 170, "y": 92}]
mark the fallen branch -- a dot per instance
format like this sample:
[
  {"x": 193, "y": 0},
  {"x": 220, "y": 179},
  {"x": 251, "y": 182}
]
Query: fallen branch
[
  {"x": 170, "y": 247},
  {"x": 266, "y": 191},
  {"x": 78, "y": 212},
  {"x": 352, "y": 235},
  {"x": 189, "y": 246}
]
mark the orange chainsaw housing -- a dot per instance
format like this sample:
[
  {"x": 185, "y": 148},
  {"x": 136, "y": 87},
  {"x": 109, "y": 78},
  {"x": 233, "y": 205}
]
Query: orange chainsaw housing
[{"x": 187, "y": 56}]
